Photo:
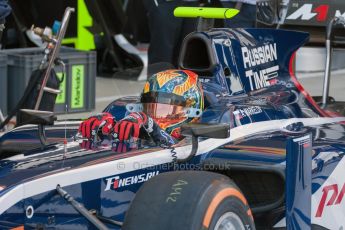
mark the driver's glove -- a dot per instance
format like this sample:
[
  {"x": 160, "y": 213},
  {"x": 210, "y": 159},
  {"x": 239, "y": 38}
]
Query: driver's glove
[
  {"x": 139, "y": 124},
  {"x": 100, "y": 124},
  {"x": 129, "y": 127}
]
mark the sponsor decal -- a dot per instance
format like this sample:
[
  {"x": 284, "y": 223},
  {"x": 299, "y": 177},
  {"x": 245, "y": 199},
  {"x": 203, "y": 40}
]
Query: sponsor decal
[
  {"x": 204, "y": 80},
  {"x": 116, "y": 182},
  {"x": 259, "y": 55},
  {"x": 331, "y": 195},
  {"x": 328, "y": 200},
  {"x": 256, "y": 57},
  {"x": 78, "y": 77},
  {"x": 306, "y": 12},
  {"x": 317, "y": 12},
  {"x": 241, "y": 113}
]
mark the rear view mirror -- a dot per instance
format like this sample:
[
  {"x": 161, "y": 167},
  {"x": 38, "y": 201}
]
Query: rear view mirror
[
  {"x": 203, "y": 130},
  {"x": 37, "y": 117},
  {"x": 206, "y": 130}
]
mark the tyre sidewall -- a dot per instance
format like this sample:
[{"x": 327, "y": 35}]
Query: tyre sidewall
[
  {"x": 233, "y": 204},
  {"x": 155, "y": 206}
]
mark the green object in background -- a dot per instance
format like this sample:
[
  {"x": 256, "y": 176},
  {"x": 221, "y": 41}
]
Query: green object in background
[
  {"x": 77, "y": 98},
  {"x": 84, "y": 39},
  {"x": 61, "y": 97},
  {"x": 205, "y": 12}
]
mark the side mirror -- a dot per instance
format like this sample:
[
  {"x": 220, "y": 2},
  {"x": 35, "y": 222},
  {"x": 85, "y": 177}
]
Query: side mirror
[
  {"x": 206, "y": 130},
  {"x": 40, "y": 118},
  {"x": 37, "y": 117},
  {"x": 196, "y": 130}
]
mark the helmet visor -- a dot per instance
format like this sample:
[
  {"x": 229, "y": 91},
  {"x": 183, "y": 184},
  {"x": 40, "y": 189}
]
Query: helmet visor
[
  {"x": 162, "y": 98},
  {"x": 164, "y": 114}
]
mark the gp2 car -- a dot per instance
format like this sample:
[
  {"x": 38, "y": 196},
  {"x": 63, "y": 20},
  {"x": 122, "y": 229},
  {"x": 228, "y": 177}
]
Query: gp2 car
[{"x": 264, "y": 155}]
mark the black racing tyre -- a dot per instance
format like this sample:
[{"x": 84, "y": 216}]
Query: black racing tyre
[{"x": 188, "y": 200}]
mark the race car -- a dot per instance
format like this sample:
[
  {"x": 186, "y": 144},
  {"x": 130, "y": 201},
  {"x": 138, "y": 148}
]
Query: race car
[{"x": 264, "y": 155}]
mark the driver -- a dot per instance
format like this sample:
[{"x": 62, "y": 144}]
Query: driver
[{"x": 170, "y": 99}]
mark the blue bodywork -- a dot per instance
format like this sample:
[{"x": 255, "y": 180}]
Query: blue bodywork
[{"x": 247, "y": 80}]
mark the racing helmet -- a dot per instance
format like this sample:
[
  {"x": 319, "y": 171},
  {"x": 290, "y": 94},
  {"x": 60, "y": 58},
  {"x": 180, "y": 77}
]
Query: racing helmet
[{"x": 172, "y": 98}]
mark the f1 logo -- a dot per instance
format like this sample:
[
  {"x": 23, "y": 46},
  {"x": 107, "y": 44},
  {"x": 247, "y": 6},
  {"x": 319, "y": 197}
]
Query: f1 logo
[
  {"x": 306, "y": 12},
  {"x": 335, "y": 197}
]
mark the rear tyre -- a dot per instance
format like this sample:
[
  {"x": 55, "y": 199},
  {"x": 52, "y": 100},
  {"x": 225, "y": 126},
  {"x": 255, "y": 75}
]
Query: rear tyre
[{"x": 188, "y": 200}]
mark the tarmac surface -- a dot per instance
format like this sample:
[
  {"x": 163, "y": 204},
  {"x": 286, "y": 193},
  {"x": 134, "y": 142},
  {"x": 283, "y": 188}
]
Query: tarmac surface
[
  {"x": 109, "y": 89},
  {"x": 313, "y": 83}
]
